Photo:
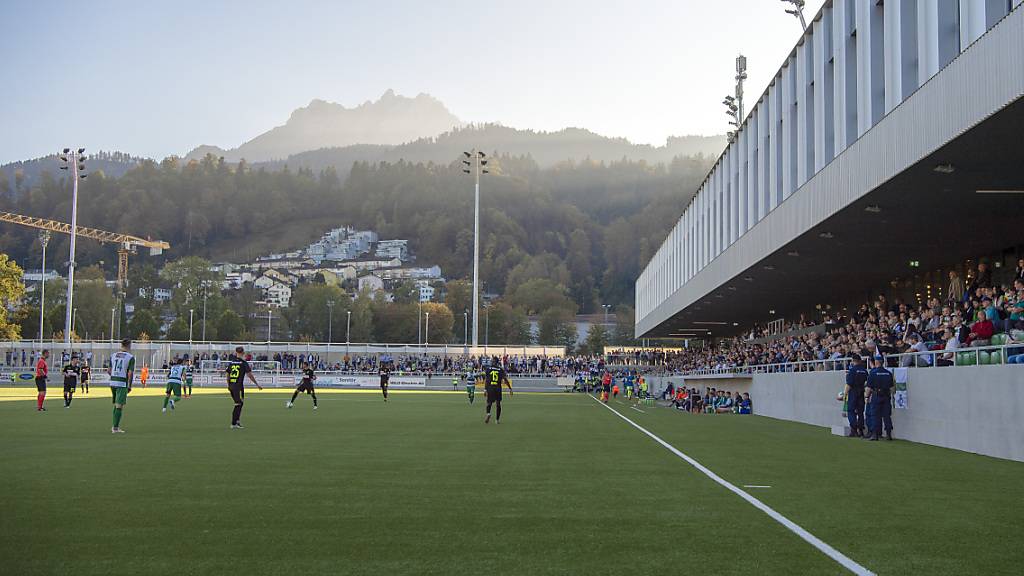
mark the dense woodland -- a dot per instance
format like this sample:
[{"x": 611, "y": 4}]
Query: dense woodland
[{"x": 570, "y": 237}]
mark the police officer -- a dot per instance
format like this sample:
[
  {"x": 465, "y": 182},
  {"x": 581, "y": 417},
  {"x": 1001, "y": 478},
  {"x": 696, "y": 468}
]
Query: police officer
[
  {"x": 879, "y": 396},
  {"x": 856, "y": 377}
]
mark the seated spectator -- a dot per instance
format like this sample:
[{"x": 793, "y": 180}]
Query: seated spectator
[
  {"x": 922, "y": 360},
  {"x": 952, "y": 345},
  {"x": 981, "y": 331},
  {"x": 724, "y": 404}
]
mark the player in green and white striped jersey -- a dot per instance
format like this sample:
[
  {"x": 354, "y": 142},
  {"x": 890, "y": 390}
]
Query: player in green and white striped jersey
[
  {"x": 174, "y": 383},
  {"x": 122, "y": 370}
]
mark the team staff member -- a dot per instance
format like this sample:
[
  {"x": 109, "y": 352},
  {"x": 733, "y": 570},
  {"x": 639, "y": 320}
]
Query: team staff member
[
  {"x": 122, "y": 370},
  {"x": 494, "y": 377},
  {"x": 71, "y": 374},
  {"x": 879, "y": 388},
  {"x": 306, "y": 385},
  {"x": 42, "y": 371},
  {"x": 856, "y": 377},
  {"x": 238, "y": 370}
]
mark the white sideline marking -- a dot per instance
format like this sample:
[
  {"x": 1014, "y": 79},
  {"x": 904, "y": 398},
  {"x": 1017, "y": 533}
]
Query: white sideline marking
[
  {"x": 811, "y": 539},
  {"x": 755, "y": 486},
  {"x": 638, "y": 410}
]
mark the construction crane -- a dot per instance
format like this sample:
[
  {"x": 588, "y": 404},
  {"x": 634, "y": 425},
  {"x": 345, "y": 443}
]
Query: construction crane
[{"x": 126, "y": 244}]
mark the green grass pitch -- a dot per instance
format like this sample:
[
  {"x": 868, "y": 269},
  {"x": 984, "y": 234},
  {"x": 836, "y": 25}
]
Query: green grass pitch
[{"x": 421, "y": 486}]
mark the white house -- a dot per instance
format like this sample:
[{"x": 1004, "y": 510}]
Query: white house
[
  {"x": 371, "y": 282},
  {"x": 279, "y": 295},
  {"x": 426, "y": 290},
  {"x": 159, "y": 294},
  {"x": 393, "y": 249}
]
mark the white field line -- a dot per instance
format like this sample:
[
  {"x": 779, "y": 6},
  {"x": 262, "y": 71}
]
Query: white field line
[{"x": 811, "y": 539}]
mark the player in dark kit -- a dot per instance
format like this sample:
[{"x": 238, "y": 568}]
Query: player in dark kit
[
  {"x": 238, "y": 370},
  {"x": 494, "y": 377},
  {"x": 306, "y": 385},
  {"x": 71, "y": 374},
  {"x": 83, "y": 380},
  {"x": 385, "y": 378}
]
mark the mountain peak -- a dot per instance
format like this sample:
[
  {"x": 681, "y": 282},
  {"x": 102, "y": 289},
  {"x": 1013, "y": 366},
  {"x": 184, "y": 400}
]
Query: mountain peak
[{"x": 392, "y": 119}]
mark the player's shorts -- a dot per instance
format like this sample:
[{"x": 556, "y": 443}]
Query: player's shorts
[
  {"x": 41, "y": 384},
  {"x": 470, "y": 389},
  {"x": 70, "y": 387},
  {"x": 119, "y": 394},
  {"x": 237, "y": 392},
  {"x": 306, "y": 387},
  {"x": 174, "y": 387},
  {"x": 493, "y": 393}
]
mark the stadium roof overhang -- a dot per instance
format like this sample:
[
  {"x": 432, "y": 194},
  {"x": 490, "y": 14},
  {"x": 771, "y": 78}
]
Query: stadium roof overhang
[{"x": 963, "y": 200}]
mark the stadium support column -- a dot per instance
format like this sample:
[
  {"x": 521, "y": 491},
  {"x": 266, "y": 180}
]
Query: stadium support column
[{"x": 44, "y": 239}]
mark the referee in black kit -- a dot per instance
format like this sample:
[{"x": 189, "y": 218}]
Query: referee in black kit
[
  {"x": 237, "y": 371},
  {"x": 494, "y": 377}
]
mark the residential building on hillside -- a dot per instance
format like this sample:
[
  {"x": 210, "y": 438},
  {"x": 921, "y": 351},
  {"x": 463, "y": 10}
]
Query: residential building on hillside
[
  {"x": 371, "y": 282},
  {"x": 393, "y": 249}
]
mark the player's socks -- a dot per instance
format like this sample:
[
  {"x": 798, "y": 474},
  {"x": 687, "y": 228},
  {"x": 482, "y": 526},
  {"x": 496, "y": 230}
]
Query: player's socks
[
  {"x": 39, "y": 400},
  {"x": 236, "y": 414},
  {"x": 294, "y": 396},
  {"x": 166, "y": 400},
  {"x": 497, "y": 416},
  {"x": 314, "y": 400},
  {"x": 117, "y": 417}
]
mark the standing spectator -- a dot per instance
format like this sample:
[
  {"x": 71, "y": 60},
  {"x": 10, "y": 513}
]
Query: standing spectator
[
  {"x": 1018, "y": 273},
  {"x": 956, "y": 288}
]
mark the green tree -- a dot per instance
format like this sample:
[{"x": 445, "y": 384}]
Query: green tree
[
  {"x": 624, "y": 326},
  {"x": 541, "y": 294},
  {"x": 406, "y": 292},
  {"x": 230, "y": 326},
  {"x": 143, "y": 322},
  {"x": 442, "y": 323},
  {"x": 557, "y": 326},
  {"x": 178, "y": 331},
  {"x": 189, "y": 278},
  {"x": 11, "y": 291},
  {"x": 596, "y": 340},
  {"x": 458, "y": 295},
  {"x": 505, "y": 325},
  {"x": 362, "y": 328},
  {"x": 310, "y": 312},
  {"x": 93, "y": 301},
  {"x": 395, "y": 322}
]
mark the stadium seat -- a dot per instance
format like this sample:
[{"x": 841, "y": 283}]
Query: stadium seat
[
  {"x": 996, "y": 357},
  {"x": 984, "y": 358}
]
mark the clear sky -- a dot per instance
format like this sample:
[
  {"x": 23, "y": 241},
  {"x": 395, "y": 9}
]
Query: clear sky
[{"x": 155, "y": 79}]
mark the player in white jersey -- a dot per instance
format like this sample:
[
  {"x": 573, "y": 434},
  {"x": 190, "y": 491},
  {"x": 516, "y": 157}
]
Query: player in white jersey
[
  {"x": 174, "y": 379},
  {"x": 122, "y": 370}
]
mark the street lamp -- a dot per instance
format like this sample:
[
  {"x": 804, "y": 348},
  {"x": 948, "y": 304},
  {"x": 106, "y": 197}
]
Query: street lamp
[
  {"x": 348, "y": 326},
  {"x": 44, "y": 239},
  {"x": 204, "y": 310},
  {"x": 191, "y": 315},
  {"x": 426, "y": 331},
  {"x": 419, "y": 323},
  {"x": 606, "y": 307},
  {"x": 112, "y": 325},
  {"x": 75, "y": 162},
  {"x": 465, "y": 329},
  {"x": 474, "y": 164},
  {"x": 797, "y": 10}
]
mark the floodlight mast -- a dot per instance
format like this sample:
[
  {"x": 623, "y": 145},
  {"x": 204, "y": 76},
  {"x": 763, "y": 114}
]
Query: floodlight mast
[
  {"x": 797, "y": 11},
  {"x": 475, "y": 163}
]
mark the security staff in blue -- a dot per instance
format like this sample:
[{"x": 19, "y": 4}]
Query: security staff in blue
[
  {"x": 879, "y": 396},
  {"x": 856, "y": 377}
]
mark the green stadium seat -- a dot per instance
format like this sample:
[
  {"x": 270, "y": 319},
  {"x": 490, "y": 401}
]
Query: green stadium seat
[
  {"x": 996, "y": 357},
  {"x": 984, "y": 358}
]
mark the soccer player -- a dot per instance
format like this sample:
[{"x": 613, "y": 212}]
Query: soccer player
[
  {"x": 471, "y": 386},
  {"x": 42, "y": 371},
  {"x": 189, "y": 375},
  {"x": 83, "y": 381},
  {"x": 385, "y": 378},
  {"x": 174, "y": 378},
  {"x": 306, "y": 385},
  {"x": 238, "y": 370},
  {"x": 606, "y": 386},
  {"x": 71, "y": 373},
  {"x": 494, "y": 377},
  {"x": 122, "y": 370},
  {"x": 144, "y": 376}
]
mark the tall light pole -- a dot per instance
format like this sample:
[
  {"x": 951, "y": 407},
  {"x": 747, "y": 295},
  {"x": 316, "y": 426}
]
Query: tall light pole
[
  {"x": 348, "y": 326},
  {"x": 606, "y": 307},
  {"x": 330, "y": 323},
  {"x": 426, "y": 331},
  {"x": 204, "y": 311},
  {"x": 75, "y": 162},
  {"x": 475, "y": 162},
  {"x": 112, "y": 325},
  {"x": 44, "y": 239},
  {"x": 419, "y": 323},
  {"x": 797, "y": 10},
  {"x": 465, "y": 329},
  {"x": 191, "y": 317},
  {"x": 734, "y": 103}
]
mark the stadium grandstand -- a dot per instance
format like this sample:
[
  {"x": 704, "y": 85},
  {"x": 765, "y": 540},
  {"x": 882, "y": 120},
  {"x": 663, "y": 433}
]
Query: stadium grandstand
[{"x": 871, "y": 202}]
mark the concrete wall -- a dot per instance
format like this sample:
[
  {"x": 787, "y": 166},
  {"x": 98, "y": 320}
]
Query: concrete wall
[{"x": 976, "y": 408}]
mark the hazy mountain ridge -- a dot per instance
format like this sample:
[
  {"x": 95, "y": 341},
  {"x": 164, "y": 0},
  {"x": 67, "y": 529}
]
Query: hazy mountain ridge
[{"x": 391, "y": 120}]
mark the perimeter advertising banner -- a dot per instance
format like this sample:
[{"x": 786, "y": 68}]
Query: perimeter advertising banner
[{"x": 331, "y": 380}]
